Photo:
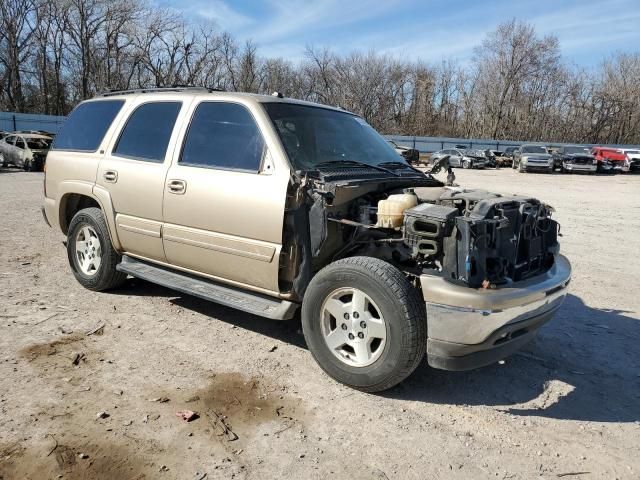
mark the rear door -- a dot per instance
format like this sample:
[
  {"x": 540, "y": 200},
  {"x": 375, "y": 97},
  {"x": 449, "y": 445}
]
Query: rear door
[
  {"x": 225, "y": 197},
  {"x": 134, "y": 168},
  {"x": 455, "y": 160}
]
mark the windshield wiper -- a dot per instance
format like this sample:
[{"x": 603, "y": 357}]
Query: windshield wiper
[
  {"x": 400, "y": 164},
  {"x": 354, "y": 162}
]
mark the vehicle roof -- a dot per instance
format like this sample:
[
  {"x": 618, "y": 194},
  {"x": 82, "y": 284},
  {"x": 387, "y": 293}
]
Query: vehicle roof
[
  {"x": 206, "y": 93},
  {"x": 31, "y": 135}
]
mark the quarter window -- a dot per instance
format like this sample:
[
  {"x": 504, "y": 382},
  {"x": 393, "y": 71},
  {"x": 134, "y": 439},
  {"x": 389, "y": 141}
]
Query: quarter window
[
  {"x": 223, "y": 135},
  {"x": 85, "y": 128},
  {"x": 147, "y": 132}
]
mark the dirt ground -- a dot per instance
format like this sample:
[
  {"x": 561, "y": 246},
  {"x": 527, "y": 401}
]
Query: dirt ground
[{"x": 103, "y": 406}]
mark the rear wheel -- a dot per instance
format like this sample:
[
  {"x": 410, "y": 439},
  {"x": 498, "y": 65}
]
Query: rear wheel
[
  {"x": 364, "y": 323},
  {"x": 91, "y": 255},
  {"x": 30, "y": 166}
]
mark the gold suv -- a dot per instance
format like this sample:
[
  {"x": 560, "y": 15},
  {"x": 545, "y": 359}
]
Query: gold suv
[{"x": 268, "y": 204}]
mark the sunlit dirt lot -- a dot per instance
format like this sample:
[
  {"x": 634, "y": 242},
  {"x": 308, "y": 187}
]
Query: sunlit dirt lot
[{"x": 103, "y": 406}]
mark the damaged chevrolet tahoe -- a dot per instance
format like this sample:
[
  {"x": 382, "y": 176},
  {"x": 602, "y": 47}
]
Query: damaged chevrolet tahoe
[{"x": 270, "y": 205}]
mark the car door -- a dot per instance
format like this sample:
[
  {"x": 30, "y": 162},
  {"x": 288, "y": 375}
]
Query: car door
[
  {"x": 134, "y": 169},
  {"x": 225, "y": 196},
  {"x": 19, "y": 151},
  {"x": 455, "y": 159}
]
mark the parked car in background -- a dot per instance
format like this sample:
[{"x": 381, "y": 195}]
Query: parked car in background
[
  {"x": 3, "y": 134},
  {"x": 465, "y": 158},
  {"x": 509, "y": 152},
  {"x": 529, "y": 158},
  {"x": 633, "y": 157},
  {"x": 411, "y": 155},
  {"x": 497, "y": 159},
  {"x": 575, "y": 158},
  {"x": 24, "y": 150},
  {"x": 610, "y": 160}
]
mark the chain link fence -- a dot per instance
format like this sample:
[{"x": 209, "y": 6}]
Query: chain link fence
[{"x": 12, "y": 122}]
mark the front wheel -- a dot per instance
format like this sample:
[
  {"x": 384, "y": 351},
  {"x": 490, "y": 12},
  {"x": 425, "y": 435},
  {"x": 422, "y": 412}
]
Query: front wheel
[
  {"x": 91, "y": 254},
  {"x": 521, "y": 168},
  {"x": 466, "y": 164},
  {"x": 364, "y": 323}
]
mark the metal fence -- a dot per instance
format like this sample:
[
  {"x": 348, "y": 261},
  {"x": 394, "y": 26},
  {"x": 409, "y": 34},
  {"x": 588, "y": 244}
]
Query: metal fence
[
  {"x": 433, "y": 144},
  {"x": 12, "y": 122}
]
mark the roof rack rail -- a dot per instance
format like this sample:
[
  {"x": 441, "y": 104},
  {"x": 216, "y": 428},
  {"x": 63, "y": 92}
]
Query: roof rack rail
[{"x": 174, "y": 88}]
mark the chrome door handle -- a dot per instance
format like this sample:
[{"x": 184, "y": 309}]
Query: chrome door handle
[
  {"x": 177, "y": 186},
  {"x": 110, "y": 176}
]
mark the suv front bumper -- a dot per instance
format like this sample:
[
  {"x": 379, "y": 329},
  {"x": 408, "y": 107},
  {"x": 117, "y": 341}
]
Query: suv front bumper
[{"x": 470, "y": 328}]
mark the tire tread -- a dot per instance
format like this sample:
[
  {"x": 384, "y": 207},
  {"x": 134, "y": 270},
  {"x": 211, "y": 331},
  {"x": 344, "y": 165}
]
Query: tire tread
[
  {"x": 109, "y": 278},
  {"x": 414, "y": 336}
]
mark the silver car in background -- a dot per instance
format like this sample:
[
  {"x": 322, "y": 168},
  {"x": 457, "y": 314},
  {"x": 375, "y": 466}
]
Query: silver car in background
[
  {"x": 529, "y": 158},
  {"x": 461, "y": 158},
  {"x": 24, "y": 150}
]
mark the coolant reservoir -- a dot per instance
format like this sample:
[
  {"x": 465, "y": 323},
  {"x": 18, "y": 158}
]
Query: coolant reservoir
[{"x": 391, "y": 210}]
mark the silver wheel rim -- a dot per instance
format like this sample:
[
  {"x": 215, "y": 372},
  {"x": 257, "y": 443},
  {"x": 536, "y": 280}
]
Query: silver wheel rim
[
  {"x": 88, "y": 250},
  {"x": 353, "y": 327}
]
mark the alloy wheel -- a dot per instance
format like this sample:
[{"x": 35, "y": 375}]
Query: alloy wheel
[{"x": 353, "y": 327}]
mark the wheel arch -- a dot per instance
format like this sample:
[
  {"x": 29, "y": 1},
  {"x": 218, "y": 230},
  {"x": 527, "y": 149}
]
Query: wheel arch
[{"x": 77, "y": 196}]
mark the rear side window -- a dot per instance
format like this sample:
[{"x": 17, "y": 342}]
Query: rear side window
[
  {"x": 85, "y": 128},
  {"x": 147, "y": 132},
  {"x": 223, "y": 135}
]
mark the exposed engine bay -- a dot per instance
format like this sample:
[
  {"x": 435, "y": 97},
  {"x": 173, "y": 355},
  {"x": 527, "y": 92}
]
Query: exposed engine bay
[{"x": 470, "y": 237}]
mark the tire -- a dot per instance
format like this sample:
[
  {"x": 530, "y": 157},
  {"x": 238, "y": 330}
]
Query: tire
[
  {"x": 30, "y": 166},
  {"x": 466, "y": 164},
  {"x": 403, "y": 322},
  {"x": 3, "y": 162},
  {"x": 105, "y": 276},
  {"x": 521, "y": 167}
]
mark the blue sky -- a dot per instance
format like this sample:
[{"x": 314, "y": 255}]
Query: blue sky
[{"x": 432, "y": 30}]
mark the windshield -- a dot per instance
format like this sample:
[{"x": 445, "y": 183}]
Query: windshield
[
  {"x": 314, "y": 135},
  {"x": 534, "y": 149},
  {"x": 576, "y": 150},
  {"x": 38, "y": 143}
]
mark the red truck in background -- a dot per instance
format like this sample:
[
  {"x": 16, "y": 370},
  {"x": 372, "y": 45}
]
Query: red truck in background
[{"x": 610, "y": 160}]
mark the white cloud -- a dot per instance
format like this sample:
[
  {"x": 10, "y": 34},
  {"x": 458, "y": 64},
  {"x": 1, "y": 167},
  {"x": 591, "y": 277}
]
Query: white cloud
[
  {"x": 295, "y": 17},
  {"x": 437, "y": 30},
  {"x": 221, "y": 13}
]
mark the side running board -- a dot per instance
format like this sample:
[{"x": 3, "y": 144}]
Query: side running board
[{"x": 250, "y": 302}]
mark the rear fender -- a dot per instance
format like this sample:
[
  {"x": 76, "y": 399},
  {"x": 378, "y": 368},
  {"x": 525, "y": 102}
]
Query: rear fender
[{"x": 100, "y": 195}]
